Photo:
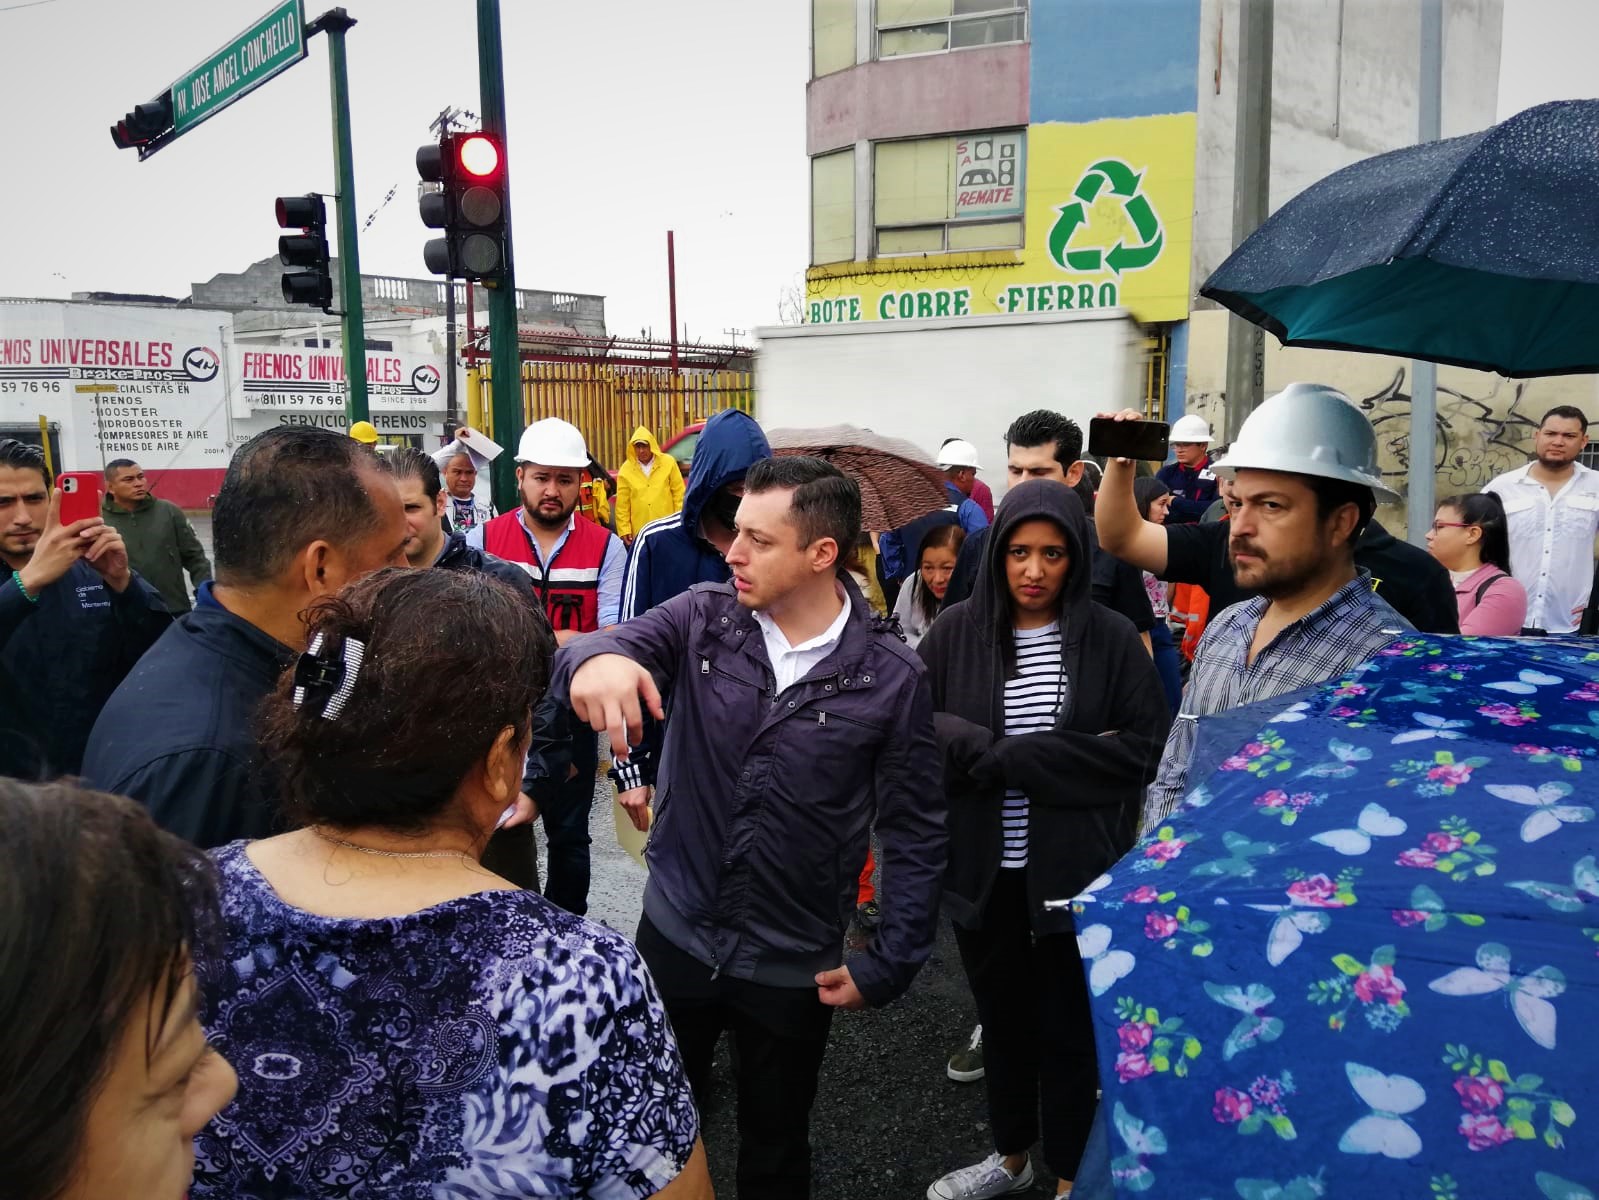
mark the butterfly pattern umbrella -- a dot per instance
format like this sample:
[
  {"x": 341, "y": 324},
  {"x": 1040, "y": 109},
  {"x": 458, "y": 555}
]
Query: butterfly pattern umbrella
[{"x": 1361, "y": 958}]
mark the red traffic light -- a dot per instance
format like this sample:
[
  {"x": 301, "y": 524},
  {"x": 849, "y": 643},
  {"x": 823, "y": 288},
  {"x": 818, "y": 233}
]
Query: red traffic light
[
  {"x": 478, "y": 155},
  {"x": 301, "y": 212}
]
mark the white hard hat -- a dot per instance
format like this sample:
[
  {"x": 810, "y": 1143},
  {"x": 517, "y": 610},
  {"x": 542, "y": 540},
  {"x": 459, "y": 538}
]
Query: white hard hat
[
  {"x": 958, "y": 452},
  {"x": 1192, "y": 428},
  {"x": 552, "y": 442},
  {"x": 1309, "y": 429}
]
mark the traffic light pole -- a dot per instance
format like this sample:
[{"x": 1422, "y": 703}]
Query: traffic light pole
[
  {"x": 505, "y": 354},
  {"x": 335, "y": 22}
]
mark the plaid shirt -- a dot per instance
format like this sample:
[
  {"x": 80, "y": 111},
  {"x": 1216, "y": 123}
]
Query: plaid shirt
[{"x": 1349, "y": 628}]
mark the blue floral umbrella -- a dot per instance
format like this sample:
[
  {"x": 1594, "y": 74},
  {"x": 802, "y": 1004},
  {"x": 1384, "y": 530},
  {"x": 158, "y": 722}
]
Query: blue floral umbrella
[{"x": 1361, "y": 959}]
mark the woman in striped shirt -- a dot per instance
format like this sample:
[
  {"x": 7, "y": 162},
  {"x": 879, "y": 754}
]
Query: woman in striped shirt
[{"x": 1051, "y": 721}]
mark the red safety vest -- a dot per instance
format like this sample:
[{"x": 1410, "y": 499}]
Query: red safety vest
[{"x": 569, "y": 583}]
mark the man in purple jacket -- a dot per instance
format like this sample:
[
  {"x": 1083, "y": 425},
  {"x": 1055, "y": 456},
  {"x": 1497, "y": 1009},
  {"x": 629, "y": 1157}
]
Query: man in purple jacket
[{"x": 797, "y": 721}]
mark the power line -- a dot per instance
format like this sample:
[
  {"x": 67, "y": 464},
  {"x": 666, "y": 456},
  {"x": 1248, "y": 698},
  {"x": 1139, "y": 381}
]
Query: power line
[{"x": 30, "y": 4}]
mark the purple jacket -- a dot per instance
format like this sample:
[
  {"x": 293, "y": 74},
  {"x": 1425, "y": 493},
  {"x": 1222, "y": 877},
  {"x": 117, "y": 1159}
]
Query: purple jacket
[{"x": 764, "y": 800}]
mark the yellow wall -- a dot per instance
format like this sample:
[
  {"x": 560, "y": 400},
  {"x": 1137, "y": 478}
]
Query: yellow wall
[
  {"x": 1485, "y": 423},
  {"x": 1148, "y": 160}
]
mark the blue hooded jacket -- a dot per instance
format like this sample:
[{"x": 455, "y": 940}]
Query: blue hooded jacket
[{"x": 669, "y": 556}]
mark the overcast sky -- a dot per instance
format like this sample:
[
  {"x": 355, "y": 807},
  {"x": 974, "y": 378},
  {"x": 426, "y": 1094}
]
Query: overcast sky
[{"x": 626, "y": 118}]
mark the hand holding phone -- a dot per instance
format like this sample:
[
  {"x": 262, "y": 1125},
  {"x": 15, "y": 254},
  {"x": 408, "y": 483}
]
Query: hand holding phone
[{"x": 1112, "y": 438}]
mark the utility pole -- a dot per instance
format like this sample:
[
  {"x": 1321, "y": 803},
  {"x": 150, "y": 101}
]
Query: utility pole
[
  {"x": 335, "y": 23},
  {"x": 1423, "y": 439},
  {"x": 1246, "y": 343},
  {"x": 505, "y": 353}
]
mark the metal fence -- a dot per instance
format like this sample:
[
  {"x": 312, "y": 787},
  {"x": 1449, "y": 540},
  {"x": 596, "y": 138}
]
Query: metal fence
[{"x": 608, "y": 402}]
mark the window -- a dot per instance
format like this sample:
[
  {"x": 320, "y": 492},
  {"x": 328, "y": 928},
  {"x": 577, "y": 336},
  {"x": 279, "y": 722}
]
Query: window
[
  {"x": 938, "y": 195},
  {"x": 932, "y": 26},
  {"x": 833, "y": 207},
  {"x": 832, "y": 36}
]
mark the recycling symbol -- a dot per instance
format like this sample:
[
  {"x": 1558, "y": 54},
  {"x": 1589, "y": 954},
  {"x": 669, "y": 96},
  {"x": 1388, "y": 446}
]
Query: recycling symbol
[{"x": 1123, "y": 182}]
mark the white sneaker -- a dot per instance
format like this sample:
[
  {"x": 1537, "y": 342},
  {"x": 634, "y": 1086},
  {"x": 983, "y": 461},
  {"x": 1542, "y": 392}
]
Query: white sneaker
[{"x": 982, "y": 1180}]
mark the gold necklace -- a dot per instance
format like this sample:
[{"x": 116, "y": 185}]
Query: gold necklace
[{"x": 390, "y": 853}]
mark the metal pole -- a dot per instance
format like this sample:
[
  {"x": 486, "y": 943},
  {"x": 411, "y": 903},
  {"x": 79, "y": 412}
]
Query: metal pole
[
  {"x": 1423, "y": 441},
  {"x": 671, "y": 292},
  {"x": 452, "y": 413},
  {"x": 505, "y": 356},
  {"x": 335, "y": 22},
  {"x": 1246, "y": 343}
]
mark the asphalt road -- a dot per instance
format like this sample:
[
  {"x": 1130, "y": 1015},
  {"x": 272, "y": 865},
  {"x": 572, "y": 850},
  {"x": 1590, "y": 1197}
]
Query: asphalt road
[{"x": 887, "y": 1120}]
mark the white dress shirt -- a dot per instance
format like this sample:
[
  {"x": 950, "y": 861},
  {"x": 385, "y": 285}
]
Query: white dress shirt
[
  {"x": 1551, "y": 543},
  {"x": 790, "y": 664}
]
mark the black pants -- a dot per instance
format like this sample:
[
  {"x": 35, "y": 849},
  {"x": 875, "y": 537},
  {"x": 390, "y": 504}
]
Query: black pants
[
  {"x": 514, "y": 854},
  {"x": 1038, "y": 1043},
  {"x": 779, "y": 1036},
  {"x": 566, "y": 826}
]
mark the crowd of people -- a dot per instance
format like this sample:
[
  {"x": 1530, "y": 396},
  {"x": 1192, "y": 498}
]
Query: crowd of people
[{"x": 271, "y": 918}]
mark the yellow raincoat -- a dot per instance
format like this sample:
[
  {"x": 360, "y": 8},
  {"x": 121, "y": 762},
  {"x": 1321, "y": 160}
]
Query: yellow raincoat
[{"x": 642, "y": 498}]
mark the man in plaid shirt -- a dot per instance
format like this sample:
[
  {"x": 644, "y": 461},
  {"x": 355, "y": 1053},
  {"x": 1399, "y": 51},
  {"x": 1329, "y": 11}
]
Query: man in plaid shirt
[{"x": 1305, "y": 482}]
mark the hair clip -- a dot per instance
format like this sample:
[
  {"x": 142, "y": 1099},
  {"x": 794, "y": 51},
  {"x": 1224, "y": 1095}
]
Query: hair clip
[{"x": 325, "y": 679}]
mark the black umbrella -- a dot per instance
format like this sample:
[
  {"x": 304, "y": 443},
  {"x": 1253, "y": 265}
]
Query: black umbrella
[{"x": 1481, "y": 251}]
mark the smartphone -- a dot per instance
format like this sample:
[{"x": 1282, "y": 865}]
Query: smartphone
[
  {"x": 1128, "y": 439},
  {"x": 80, "y": 495}
]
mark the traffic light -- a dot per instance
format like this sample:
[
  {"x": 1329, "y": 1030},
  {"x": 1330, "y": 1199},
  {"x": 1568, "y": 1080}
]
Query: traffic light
[
  {"x": 469, "y": 205},
  {"x": 144, "y": 124},
  {"x": 312, "y": 282}
]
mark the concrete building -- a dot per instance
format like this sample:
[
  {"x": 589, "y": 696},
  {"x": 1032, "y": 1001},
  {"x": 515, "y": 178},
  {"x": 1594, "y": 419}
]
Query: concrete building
[{"x": 1014, "y": 156}]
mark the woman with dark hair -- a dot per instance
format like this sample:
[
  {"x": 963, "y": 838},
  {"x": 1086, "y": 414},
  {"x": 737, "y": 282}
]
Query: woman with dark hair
[
  {"x": 409, "y": 1024},
  {"x": 1051, "y": 722},
  {"x": 105, "y": 1073},
  {"x": 1471, "y": 538},
  {"x": 1154, "y": 499},
  {"x": 920, "y": 599}
]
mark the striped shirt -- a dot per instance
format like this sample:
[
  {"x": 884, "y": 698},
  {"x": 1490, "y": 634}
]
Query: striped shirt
[
  {"x": 1349, "y": 627},
  {"x": 1033, "y": 701}
]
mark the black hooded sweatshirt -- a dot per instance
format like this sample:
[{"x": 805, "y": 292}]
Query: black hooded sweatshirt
[{"x": 1084, "y": 779}]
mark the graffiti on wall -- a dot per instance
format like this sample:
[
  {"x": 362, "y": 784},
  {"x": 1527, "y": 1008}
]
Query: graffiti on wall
[{"x": 1478, "y": 436}]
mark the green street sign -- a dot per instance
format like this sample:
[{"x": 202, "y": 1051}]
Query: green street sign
[{"x": 273, "y": 44}]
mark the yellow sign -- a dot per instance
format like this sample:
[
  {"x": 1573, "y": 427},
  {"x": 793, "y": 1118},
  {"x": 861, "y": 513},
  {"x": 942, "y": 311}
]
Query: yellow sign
[{"x": 1110, "y": 207}]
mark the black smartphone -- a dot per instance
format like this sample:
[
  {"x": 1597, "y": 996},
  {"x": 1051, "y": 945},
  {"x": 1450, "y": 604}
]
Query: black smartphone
[{"x": 1128, "y": 439}]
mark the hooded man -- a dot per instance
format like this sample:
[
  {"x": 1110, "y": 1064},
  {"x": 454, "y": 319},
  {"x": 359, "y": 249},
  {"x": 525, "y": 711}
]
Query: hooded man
[
  {"x": 673, "y": 553},
  {"x": 648, "y": 487}
]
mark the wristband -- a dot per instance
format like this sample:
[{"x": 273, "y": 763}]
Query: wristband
[{"x": 16, "y": 578}]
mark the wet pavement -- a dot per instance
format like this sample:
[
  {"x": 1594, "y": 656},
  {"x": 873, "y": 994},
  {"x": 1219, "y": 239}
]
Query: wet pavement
[{"x": 887, "y": 1120}]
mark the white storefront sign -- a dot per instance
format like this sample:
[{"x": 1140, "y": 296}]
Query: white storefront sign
[{"x": 169, "y": 409}]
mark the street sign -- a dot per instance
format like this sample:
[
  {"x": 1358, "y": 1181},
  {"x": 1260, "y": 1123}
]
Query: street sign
[{"x": 272, "y": 44}]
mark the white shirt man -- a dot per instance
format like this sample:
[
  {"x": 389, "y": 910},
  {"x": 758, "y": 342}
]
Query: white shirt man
[{"x": 1552, "y": 508}]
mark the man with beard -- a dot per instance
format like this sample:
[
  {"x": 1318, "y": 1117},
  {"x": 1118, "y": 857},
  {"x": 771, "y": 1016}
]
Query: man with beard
[
  {"x": 1552, "y": 507},
  {"x": 1305, "y": 482},
  {"x": 576, "y": 567}
]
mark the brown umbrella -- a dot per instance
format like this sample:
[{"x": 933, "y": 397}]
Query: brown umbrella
[{"x": 898, "y": 481}]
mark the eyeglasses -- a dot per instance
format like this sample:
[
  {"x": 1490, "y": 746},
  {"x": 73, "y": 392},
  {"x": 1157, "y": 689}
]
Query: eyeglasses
[{"x": 1438, "y": 526}]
